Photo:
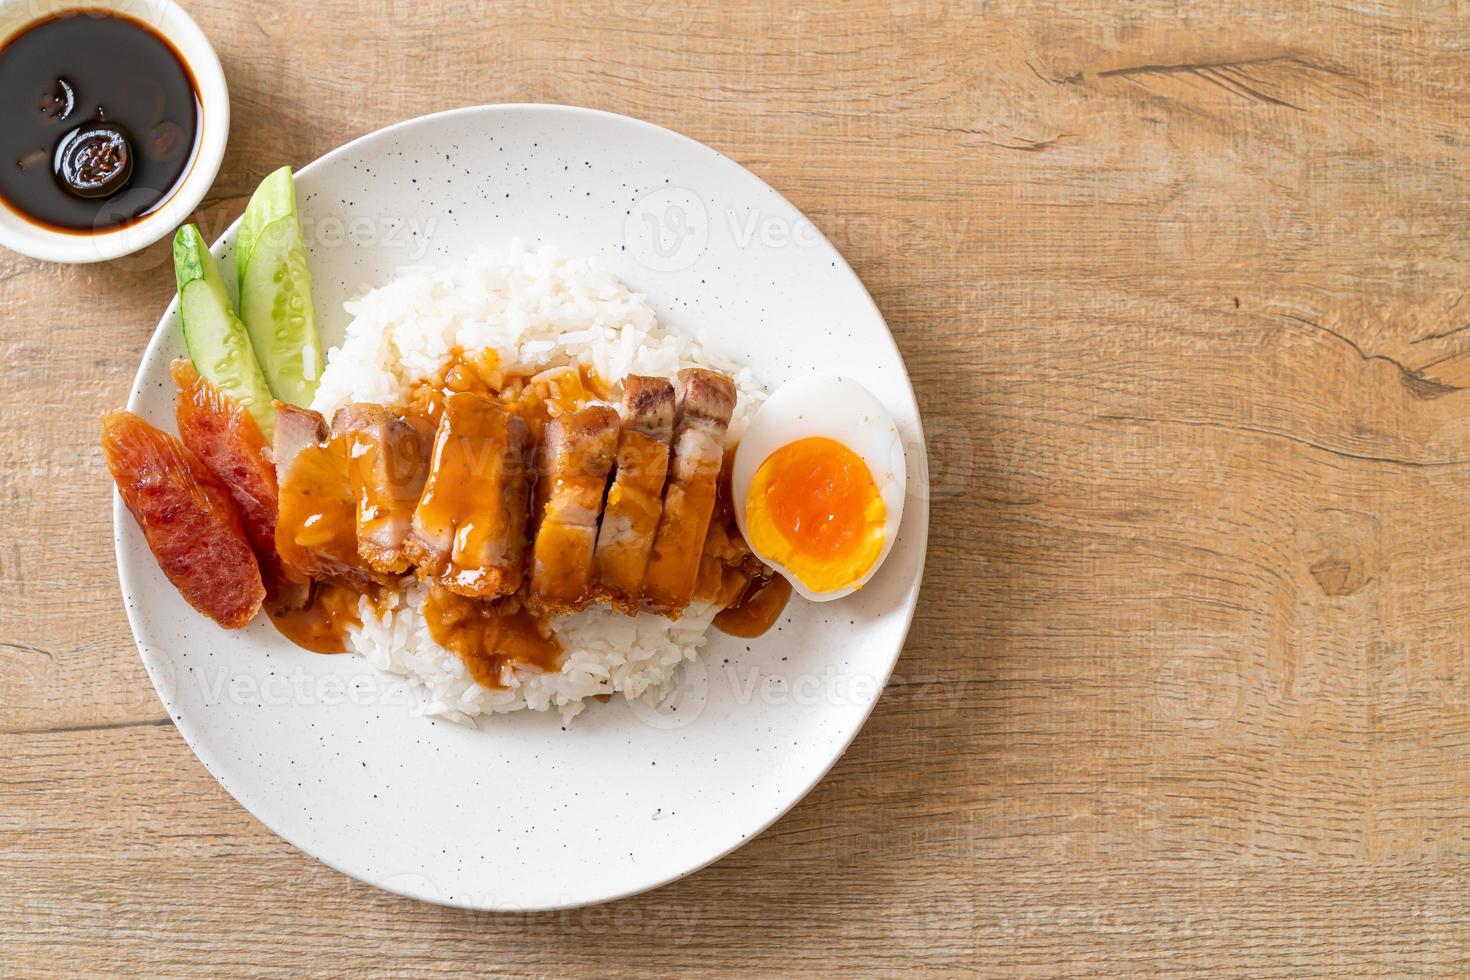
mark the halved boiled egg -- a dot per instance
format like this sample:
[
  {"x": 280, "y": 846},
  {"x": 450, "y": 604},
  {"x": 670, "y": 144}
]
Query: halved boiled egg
[{"x": 818, "y": 485}]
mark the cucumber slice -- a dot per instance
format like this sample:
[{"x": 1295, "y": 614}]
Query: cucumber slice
[
  {"x": 275, "y": 291},
  {"x": 274, "y": 198},
  {"x": 218, "y": 343}
]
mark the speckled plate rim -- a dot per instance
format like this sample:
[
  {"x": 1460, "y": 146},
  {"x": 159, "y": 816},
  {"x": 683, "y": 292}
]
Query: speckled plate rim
[{"x": 915, "y": 522}]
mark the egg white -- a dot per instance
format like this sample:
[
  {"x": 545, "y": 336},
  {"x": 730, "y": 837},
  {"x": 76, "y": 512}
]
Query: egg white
[{"x": 840, "y": 409}]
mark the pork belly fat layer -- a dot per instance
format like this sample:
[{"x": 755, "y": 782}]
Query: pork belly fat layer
[
  {"x": 469, "y": 528},
  {"x": 576, "y": 456},
  {"x": 706, "y": 402}
]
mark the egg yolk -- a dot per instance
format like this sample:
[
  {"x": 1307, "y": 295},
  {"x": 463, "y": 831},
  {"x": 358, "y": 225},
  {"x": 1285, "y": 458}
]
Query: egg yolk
[{"x": 814, "y": 508}]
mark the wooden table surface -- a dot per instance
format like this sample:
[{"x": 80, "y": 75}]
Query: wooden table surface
[{"x": 1183, "y": 294}]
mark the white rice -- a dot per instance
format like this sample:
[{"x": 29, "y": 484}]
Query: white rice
[{"x": 535, "y": 310}]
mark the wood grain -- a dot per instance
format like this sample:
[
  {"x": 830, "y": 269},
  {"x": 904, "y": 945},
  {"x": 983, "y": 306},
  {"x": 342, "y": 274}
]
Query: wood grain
[{"x": 1183, "y": 294}]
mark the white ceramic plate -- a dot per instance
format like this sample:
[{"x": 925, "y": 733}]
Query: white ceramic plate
[{"x": 523, "y": 814}]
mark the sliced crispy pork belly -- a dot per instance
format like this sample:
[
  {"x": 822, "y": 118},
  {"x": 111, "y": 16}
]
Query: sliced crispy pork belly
[
  {"x": 316, "y": 530},
  {"x": 576, "y": 456},
  {"x": 388, "y": 465},
  {"x": 635, "y": 500},
  {"x": 469, "y": 528},
  {"x": 706, "y": 402}
]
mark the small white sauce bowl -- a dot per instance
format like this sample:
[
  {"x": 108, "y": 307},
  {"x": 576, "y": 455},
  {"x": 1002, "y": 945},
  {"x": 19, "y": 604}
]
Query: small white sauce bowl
[{"x": 167, "y": 19}]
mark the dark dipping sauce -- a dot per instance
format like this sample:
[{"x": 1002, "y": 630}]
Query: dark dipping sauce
[{"x": 99, "y": 121}]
